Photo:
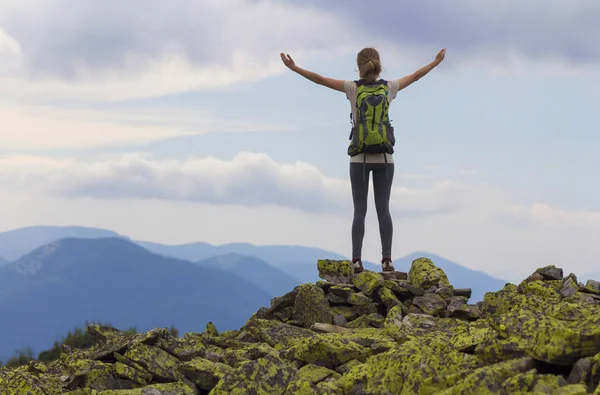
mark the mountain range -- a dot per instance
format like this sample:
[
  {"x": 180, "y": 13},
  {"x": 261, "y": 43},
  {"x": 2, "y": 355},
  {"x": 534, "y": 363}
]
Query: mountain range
[
  {"x": 60, "y": 277},
  {"x": 60, "y": 285}
]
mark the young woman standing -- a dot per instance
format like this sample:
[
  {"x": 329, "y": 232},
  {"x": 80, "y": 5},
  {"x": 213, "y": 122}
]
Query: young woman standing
[{"x": 362, "y": 164}]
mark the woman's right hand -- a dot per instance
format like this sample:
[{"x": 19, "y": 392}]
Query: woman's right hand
[{"x": 440, "y": 56}]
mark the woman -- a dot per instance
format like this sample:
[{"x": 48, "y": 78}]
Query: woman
[{"x": 382, "y": 166}]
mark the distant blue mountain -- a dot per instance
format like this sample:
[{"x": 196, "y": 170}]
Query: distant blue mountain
[
  {"x": 254, "y": 270},
  {"x": 459, "y": 276},
  {"x": 296, "y": 261},
  {"x": 59, "y": 286},
  {"x": 18, "y": 242},
  {"x": 275, "y": 255},
  {"x": 3, "y": 262}
]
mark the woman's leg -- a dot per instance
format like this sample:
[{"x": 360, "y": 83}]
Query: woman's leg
[
  {"x": 382, "y": 188},
  {"x": 360, "y": 190}
]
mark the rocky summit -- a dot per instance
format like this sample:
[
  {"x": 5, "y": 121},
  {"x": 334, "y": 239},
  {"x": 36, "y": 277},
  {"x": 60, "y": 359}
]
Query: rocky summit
[{"x": 369, "y": 333}]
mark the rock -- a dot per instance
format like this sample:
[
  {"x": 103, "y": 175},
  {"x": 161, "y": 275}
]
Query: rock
[
  {"x": 365, "y": 309},
  {"x": 204, "y": 373},
  {"x": 340, "y": 320},
  {"x": 593, "y": 284},
  {"x": 550, "y": 272},
  {"x": 466, "y": 292},
  {"x": 535, "y": 276},
  {"x": 394, "y": 317},
  {"x": 414, "y": 291},
  {"x": 268, "y": 375},
  {"x": 337, "y": 271},
  {"x": 388, "y": 298},
  {"x": 571, "y": 389},
  {"x": 474, "y": 312},
  {"x": 542, "y": 336},
  {"x": 329, "y": 351},
  {"x": 589, "y": 289},
  {"x": 360, "y": 322},
  {"x": 424, "y": 274},
  {"x": 569, "y": 287},
  {"x": 281, "y": 302},
  {"x": 178, "y": 388},
  {"x": 343, "y": 291},
  {"x": 359, "y": 299},
  {"x": 345, "y": 311},
  {"x": 394, "y": 275},
  {"x": 397, "y": 289},
  {"x": 335, "y": 300},
  {"x": 457, "y": 307},
  {"x": 160, "y": 364},
  {"x": 367, "y": 281},
  {"x": 312, "y": 306},
  {"x": 548, "y": 383},
  {"x": 419, "y": 321},
  {"x": 431, "y": 304},
  {"x": 492, "y": 377},
  {"x": 444, "y": 292},
  {"x": 375, "y": 320}
]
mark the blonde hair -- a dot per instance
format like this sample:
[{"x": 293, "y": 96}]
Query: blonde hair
[{"x": 369, "y": 64}]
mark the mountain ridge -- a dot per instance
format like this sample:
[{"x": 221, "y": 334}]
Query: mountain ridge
[{"x": 114, "y": 280}]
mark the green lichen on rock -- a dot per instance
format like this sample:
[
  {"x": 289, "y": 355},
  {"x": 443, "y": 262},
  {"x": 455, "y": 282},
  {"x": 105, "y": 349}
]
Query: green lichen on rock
[
  {"x": 156, "y": 361},
  {"x": 311, "y": 306},
  {"x": 394, "y": 317},
  {"x": 329, "y": 350},
  {"x": 430, "y": 303},
  {"x": 424, "y": 274},
  {"x": 391, "y": 336},
  {"x": 336, "y": 271},
  {"x": 368, "y": 282},
  {"x": 204, "y": 373},
  {"x": 389, "y": 299},
  {"x": 359, "y": 299},
  {"x": 268, "y": 375},
  {"x": 154, "y": 389}
]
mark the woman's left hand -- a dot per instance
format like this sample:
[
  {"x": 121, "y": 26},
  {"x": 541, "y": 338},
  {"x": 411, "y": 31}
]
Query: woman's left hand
[{"x": 288, "y": 61}]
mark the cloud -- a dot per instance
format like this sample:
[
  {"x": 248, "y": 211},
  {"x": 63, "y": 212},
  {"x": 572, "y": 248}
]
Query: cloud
[
  {"x": 551, "y": 32},
  {"x": 249, "y": 179},
  {"x": 76, "y": 48},
  {"x": 48, "y": 127},
  {"x": 256, "y": 180}
]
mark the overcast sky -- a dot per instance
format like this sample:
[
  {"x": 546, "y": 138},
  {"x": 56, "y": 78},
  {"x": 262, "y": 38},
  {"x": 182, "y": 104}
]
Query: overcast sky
[{"x": 176, "y": 122}]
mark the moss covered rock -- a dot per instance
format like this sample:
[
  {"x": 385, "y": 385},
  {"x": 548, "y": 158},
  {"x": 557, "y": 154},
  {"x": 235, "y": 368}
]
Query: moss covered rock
[
  {"x": 329, "y": 350},
  {"x": 336, "y": 271},
  {"x": 368, "y": 282},
  {"x": 541, "y": 336},
  {"x": 312, "y": 306},
  {"x": 424, "y": 274}
]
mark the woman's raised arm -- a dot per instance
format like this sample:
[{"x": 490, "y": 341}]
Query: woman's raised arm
[
  {"x": 417, "y": 75},
  {"x": 334, "y": 84}
]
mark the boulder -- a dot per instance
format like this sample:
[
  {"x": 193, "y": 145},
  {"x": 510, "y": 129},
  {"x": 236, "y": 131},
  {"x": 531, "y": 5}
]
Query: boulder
[
  {"x": 337, "y": 271},
  {"x": 312, "y": 306},
  {"x": 424, "y": 274}
]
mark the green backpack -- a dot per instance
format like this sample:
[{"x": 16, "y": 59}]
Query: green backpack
[{"x": 373, "y": 132}]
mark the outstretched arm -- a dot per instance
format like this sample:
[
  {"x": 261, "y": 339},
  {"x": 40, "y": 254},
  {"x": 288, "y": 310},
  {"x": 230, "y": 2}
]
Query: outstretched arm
[
  {"x": 417, "y": 75},
  {"x": 337, "y": 85}
]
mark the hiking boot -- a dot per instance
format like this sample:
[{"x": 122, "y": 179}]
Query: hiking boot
[
  {"x": 357, "y": 265},
  {"x": 386, "y": 265}
]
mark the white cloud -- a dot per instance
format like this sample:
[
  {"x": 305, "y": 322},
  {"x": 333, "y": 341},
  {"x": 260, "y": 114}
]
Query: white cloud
[
  {"x": 78, "y": 49},
  {"x": 249, "y": 179},
  {"x": 256, "y": 180},
  {"x": 47, "y": 127}
]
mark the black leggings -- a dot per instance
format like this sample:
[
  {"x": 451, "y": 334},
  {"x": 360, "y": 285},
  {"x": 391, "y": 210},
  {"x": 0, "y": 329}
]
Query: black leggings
[{"x": 382, "y": 186}]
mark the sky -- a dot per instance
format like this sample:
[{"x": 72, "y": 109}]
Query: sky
[{"x": 176, "y": 122}]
